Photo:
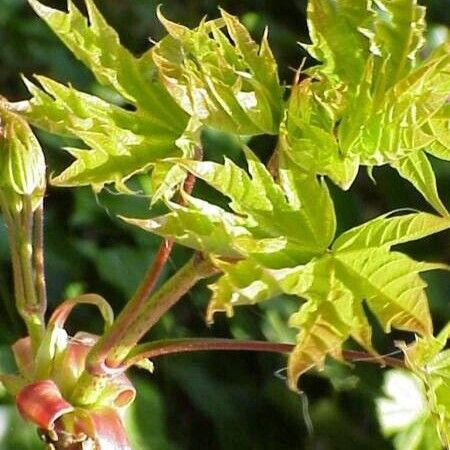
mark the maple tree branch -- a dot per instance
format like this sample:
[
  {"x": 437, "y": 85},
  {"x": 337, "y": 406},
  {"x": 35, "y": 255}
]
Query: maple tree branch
[
  {"x": 125, "y": 321},
  {"x": 171, "y": 346}
]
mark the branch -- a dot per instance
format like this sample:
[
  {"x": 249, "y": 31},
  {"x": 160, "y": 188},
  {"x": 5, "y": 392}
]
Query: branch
[
  {"x": 126, "y": 319},
  {"x": 128, "y": 315},
  {"x": 166, "y": 347},
  {"x": 33, "y": 309},
  {"x": 159, "y": 303},
  {"x": 20, "y": 225}
]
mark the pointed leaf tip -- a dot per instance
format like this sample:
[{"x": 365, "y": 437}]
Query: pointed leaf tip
[{"x": 40, "y": 9}]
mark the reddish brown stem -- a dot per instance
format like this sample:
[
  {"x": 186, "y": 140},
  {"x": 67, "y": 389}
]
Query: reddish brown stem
[
  {"x": 128, "y": 314},
  {"x": 127, "y": 317},
  {"x": 171, "y": 346},
  {"x": 158, "y": 304}
]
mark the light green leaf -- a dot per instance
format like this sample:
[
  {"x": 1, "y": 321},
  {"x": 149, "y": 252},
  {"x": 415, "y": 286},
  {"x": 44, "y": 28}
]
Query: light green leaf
[
  {"x": 165, "y": 180},
  {"x": 121, "y": 142},
  {"x": 387, "y": 231},
  {"x": 230, "y": 83},
  {"x": 399, "y": 35},
  {"x": 261, "y": 236},
  {"x": 383, "y": 125},
  {"x": 330, "y": 316},
  {"x": 273, "y": 211},
  {"x": 209, "y": 228},
  {"x": 203, "y": 226},
  {"x": 375, "y": 105},
  {"x": 307, "y": 136},
  {"x": 334, "y": 27},
  {"x": 417, "y": 169},
  {"x": 243, "y": 283},
  {"x": 439, "y": 127},
  {"x": 98, "y": 46},
  {"x": 390, "y": 283},
  {"x": 313, "y": 200}
]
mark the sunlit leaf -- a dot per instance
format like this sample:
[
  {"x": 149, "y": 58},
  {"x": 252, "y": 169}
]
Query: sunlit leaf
[
  {"x": 390, "y": 283},
  {"x": 326, "y": 321},
  {"x": 386, "y": 231},
  {"x": 120, "y": 142},
  {"x": 335, "y": 27},
  {"x": 398, "y": 36},
  {"x": 376, "y": 105},
  {"x": 275, "y": 210},
  {"x": 307, "y": 136},
  {"x": 98, "y": 46},
  {"x": 439, "y": 127},
  {"x": 417, "y": 169},
  {"x": 243, "y": 283},
  {"x": 203, "y": 226},
  {"x": 226, "y": 81}
]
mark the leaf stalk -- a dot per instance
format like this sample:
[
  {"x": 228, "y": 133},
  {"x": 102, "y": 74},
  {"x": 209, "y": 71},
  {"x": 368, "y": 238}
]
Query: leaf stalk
[
  {"x": 127, "y": 318},
  {"x": 155, "y": 349},
  {"x": 20, "y": 236}
]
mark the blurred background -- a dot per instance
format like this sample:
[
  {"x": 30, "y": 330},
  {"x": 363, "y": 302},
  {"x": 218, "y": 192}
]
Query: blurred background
[{"x": 214, "y": 401}]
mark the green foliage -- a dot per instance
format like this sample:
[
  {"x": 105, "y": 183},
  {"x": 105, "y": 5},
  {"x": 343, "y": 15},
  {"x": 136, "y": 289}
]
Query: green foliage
[
  {"x": 228, "y": 83},
  {"x": 266, "y": 221},
  {"x": 263, "y": 235},
  {"x": 378, "y": 104},
  {"x": 97, "y": 45},
  {"x": 120, "y": 142}
]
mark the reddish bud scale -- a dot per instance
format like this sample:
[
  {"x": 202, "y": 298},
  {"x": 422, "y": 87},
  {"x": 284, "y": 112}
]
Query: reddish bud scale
[
  {"x": 51, "y": 404},
  {"x": 42, "y": 404}
]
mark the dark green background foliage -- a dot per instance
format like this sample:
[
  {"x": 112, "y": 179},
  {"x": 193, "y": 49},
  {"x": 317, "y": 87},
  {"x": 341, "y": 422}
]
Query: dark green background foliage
[{"x": 202, "y": 401}]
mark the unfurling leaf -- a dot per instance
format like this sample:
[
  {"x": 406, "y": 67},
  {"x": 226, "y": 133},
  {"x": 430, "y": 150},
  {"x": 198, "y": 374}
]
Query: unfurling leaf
[
  {"x": 230, "y": 83},
  {"x": 307, "y": 135}
]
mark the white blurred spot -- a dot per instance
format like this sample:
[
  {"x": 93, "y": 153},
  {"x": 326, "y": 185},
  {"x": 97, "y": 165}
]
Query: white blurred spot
[{"x": 404, "y": 403}]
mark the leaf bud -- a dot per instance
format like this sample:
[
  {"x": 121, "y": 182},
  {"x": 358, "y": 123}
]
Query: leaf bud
[{"x": 22, "y": 163}]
